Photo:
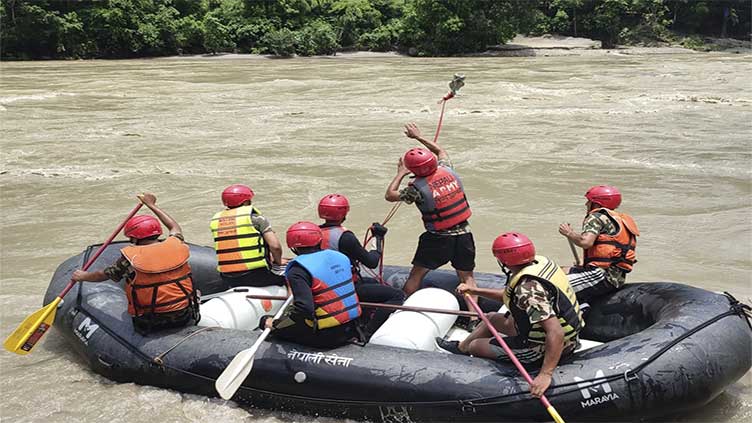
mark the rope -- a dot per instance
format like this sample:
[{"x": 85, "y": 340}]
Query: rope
[
  {"x": 455, "y": 85},
  {"x": 158, "y": 359},
  {"x": 441, "y": 117},
  {"x": 369, "y": 236}
]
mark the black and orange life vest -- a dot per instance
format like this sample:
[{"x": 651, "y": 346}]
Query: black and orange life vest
[
  {"x": 444, "y": 203},
  {"x": 162, "y": 281},
  {"x": 615, "y": 250}
]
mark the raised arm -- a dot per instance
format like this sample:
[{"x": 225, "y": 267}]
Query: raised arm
[
  {"x": 392, "y": 191},
  {"x": 150, "y": 201},
  {"x": 412, "y": 131},
  {"x": 583, "y": 240}
]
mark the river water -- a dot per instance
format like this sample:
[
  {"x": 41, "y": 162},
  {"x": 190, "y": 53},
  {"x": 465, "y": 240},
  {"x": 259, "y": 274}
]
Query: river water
[{"x": 528, "y": 135}]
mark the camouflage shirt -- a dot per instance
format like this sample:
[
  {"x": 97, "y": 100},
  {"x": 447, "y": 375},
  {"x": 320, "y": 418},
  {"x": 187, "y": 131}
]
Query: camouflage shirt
[
  {"x": 600, "y": 223},
  {"x": 122, "y": 267},
  {"x": 261, "y": 223},
  {"x": 537, "y": 302},
  {"x": 411, "y": 195}
]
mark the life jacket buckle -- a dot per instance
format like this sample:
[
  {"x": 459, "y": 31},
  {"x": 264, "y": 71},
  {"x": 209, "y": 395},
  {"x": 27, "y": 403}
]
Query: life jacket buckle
[{"x": 630, "y": 375}]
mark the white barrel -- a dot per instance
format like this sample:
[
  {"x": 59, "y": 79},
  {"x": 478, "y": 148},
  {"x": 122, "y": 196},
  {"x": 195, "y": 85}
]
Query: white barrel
[
  {"x": 417, "y": 330},
  {"x": 233, "y": 310}
]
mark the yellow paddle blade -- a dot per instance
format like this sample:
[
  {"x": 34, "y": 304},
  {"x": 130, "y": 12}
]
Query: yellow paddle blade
[
  {"x": 555, "y": 414},
  {"x": 23, "y": 339}
]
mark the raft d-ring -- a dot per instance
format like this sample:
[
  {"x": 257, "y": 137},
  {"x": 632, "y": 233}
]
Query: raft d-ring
[
  {"x": 629, "y": 375},
  {"x": 468, "y": 408}
]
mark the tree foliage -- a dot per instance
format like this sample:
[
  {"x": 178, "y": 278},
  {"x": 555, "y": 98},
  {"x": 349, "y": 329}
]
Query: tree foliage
[{"x": 32, "y": 29}]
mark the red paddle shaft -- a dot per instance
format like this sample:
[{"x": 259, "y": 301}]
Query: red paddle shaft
[{"x": 102, "y": 247}]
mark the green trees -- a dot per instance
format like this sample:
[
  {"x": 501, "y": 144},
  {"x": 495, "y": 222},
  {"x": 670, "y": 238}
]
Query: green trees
[
  {"x": 643, "y": 21},
  {"x": 129, "y": 28},
  {"x": 440, "y": 27}
]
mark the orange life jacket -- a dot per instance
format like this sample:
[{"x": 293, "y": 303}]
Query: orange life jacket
[
  {"x": 162, "y": 283},
  {"x": 444, "y": 203},
  {"x": 615, "y": 250}
]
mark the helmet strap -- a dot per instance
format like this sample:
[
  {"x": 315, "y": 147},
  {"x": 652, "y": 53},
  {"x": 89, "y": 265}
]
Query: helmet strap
[{"x": 504, "y": 269}]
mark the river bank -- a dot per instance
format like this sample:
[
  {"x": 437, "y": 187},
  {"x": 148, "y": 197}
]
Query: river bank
[{"x": 526, "y": 46}]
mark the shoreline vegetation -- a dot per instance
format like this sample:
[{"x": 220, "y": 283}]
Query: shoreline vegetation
[{"x": 122, "y": 29}]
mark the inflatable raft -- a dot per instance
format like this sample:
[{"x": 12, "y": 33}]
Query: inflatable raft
[{"x": 666, "y": 348}]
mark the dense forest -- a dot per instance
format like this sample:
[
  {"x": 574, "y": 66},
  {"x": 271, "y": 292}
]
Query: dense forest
[{"x": 32, "y": 29}]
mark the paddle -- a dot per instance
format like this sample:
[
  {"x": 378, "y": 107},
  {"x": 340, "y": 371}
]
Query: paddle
[
  {"x": 386, "y": 306},
  {"x": 550, "y": 408},
  {"x": 229, "y": 381},
  {"x": 574, "y": 252},
  {"x": 31, "y": 330}
]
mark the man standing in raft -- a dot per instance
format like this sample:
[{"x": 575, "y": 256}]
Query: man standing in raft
[
  {"x": 333, "y": 208},
  {"x": 158, "y": 282},
  {"x": 609, "y": 239},
  {"x": 544, "y": 318},
  {"x": 437, "y": 192},
  {"x": 245, "y": 242},
  {"x": 326, "y": 308}
]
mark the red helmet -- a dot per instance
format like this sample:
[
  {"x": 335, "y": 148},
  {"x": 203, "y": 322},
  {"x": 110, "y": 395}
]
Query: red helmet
[
  {"x": 236, "y": 194},
  {"x": 334, "y": 207},
  {"x": 142, "y": 226},
  {"x": 513, "y": 249},
  {"x": 420, "y": 161},
  {"x": 604, "y": 195},
  {"x": 303, "y": 234}
]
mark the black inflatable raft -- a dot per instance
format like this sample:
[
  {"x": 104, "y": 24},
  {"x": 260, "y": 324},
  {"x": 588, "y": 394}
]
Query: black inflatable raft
[{"x": 668, "y": 348}]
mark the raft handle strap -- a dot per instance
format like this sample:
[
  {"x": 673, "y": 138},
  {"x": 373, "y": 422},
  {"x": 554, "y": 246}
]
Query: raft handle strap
[
  {"x": 468, "y": 407},
  {"x": 158, "y": 359},
  {"x": 630, "y": 375}
]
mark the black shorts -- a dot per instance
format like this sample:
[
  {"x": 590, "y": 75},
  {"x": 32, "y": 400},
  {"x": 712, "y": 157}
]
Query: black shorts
[
  {"x": 155, "y": 322},
  {"x": 435, "y": 251},
  {"x": 256, "y": 277}
]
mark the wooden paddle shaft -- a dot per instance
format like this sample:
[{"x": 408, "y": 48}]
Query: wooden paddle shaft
[
  {"x": 574, "y": 252},
  {"x": 385, "y": 306}
]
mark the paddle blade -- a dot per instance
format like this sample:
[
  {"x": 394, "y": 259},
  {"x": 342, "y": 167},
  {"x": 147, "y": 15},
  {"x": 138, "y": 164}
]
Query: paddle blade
[
  {"x": 555, "y": 414},
  {"x": 30, "y": 331},
  {"x": 239, "y": 368}
]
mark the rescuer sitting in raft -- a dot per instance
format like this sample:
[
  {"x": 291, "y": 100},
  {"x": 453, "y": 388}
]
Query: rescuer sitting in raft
[
  {"x": 609, "y": 239},
  {"x": 158, "y": 282},
  {"x": 326, "y": 309},
  {"x": 544, "y": 319},
  {"x": 247, "y": 247},
  {"x": 333, "y": 208},
  {"x": 437, "y": 192}
]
